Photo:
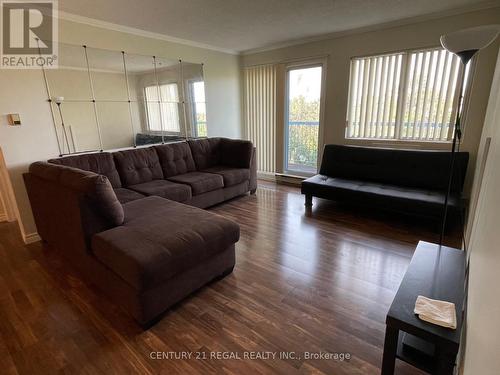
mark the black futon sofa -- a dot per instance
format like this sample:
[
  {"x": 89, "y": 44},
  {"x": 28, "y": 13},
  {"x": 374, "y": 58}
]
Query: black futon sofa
[{"x": 410, "y": 181}]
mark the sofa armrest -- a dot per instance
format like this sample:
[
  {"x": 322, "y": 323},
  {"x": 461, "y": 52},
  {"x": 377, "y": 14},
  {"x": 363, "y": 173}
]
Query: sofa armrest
[{"x": 236, "y": 153}]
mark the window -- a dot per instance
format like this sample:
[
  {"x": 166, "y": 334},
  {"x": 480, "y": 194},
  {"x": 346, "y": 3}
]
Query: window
[
  {"x": 168, "y": 119},
  {"x": 302, "y": 123},
  {"x": 404, "y": 96},
  {"x": 199, "y": 111}
]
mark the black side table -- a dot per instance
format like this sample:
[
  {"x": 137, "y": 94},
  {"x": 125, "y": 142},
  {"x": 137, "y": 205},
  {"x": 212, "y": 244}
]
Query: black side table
[{"x": 434, "y": 272}]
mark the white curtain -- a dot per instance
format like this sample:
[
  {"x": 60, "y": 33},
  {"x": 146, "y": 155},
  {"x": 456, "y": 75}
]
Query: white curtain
[{"x": 169, "y": 105}]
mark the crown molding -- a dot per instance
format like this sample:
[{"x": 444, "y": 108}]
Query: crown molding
[
  {"x": 376, "y": 27},
  {"x": 139, "y": 32}
]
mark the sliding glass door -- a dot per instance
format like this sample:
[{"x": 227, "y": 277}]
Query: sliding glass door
[{"x": 302, "y": 118}]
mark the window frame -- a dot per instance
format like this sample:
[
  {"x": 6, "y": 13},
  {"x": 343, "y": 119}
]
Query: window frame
[
  {"x": 397, "y": 141},
  {"x": 313, "y": 63}
]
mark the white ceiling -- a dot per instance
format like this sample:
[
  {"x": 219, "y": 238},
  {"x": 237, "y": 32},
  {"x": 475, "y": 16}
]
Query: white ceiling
[{"x": 241, "y": 25}]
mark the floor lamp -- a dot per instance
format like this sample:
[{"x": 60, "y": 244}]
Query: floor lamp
[{"x": 465, "y": 44}]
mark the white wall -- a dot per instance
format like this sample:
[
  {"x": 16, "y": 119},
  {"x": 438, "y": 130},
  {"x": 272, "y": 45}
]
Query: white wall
[
  {"x": 482, "y": 338},
  {"x": 423, "y": 34},
  {"x": 23, "y": 92}
]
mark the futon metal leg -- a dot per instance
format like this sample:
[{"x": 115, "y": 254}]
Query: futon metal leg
[{"x": 309, "y": 200}]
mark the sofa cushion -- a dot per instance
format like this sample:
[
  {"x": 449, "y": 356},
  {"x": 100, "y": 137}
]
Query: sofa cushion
[
  {"x": 200, "y": 182},
  {"x": 162, "y": 238},
  {"x": 100, "y": 163},
  {"x": 235, "y": 153},
  {"x": 231, "y": 176},
  {"x": 126, "y": 195},
  {"x": 138, "y": 165},
  {"x": 164, "y": 189},
  {"x": 89, "y": 185},
  {"x": 206, "y": 152},
  {"x": 175, "y": 159}
]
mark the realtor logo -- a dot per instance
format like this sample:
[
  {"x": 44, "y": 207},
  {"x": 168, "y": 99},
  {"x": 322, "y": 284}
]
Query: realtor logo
[{"x": 29, "y": 34}]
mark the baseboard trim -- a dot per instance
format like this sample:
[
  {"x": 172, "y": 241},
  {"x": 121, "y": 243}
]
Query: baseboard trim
[
  {"x": 289, "y": 180},
  {"x": 31, "y": 237},
  {"x": 266, "y": 176}
]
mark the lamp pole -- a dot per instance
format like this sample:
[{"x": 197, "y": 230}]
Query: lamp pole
[
  {"x": 465, "y": 44},
  {"x": 457, "y": 137}
]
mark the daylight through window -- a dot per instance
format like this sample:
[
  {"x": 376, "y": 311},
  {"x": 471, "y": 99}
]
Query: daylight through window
[{"x": 404, "y": 96}]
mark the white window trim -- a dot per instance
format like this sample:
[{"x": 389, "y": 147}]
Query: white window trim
[{"x": 323, "y": 63}]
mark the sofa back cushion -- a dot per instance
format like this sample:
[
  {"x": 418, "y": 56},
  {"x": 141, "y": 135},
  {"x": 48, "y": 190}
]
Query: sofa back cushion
[
  {"x": 235, "y": 153},
  {"x": 206, "y": 152},
  {"x": 414, "y": 168},
  {"x": 138, "y": 165},
  {"x": 175, "y": 159},
  {"x": 100, "y": 163},
  {"x": 92, "y": 188}
]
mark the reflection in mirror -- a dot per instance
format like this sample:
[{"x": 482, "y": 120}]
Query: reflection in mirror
[
  {"x": 111, "y": 99},
  {"x": 138, "y": 66},
  {"x": 71, "y": 95},
  {"x": 162, "y": 114},
  {"x": 115, "y": 124},
  {"x": 194, "y": 86},
  {"x": 108, "y": 75},
  {"x": 71, "y": 79},
  {"x": 76, "y": 126}
]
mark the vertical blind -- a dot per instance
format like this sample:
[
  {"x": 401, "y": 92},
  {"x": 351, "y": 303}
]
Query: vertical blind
[
  {"x": 408, "y": 96},
  {"x": 260, "y": 113}
]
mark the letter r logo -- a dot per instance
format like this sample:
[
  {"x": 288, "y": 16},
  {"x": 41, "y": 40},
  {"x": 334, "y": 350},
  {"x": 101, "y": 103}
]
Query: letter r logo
[{"x": 27, "y": 27}]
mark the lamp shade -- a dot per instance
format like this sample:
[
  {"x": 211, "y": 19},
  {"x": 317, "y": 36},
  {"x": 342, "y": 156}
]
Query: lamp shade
[{"x": 465, "y": 43}]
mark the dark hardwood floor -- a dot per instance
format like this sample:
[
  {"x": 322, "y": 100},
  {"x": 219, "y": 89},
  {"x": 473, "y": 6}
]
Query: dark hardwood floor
[{"x": 316, "y": 282}]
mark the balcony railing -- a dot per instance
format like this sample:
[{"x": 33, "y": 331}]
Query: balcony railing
[{"x": 302, "y": 147}]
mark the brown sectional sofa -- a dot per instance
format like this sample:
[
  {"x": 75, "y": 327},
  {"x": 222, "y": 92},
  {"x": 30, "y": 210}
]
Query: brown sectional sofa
[{"x": 126, "y": 219}]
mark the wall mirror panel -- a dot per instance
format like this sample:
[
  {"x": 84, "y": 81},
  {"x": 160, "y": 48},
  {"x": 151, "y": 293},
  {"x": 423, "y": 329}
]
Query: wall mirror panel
[
  {"x": 107, "y": 74},
  {"x": 115, "y": 125},
  {"x": 194, "y": 92},
  {"x": 104, "y": 100},
  {"x": 71, "y": 79},
  {"x": 163, "y": 112},
  {"x": 79, "y": 132}
]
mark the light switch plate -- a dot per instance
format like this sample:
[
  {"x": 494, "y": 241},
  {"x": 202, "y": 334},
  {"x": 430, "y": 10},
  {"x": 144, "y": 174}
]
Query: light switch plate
[{"x": 14, "y": 119}]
